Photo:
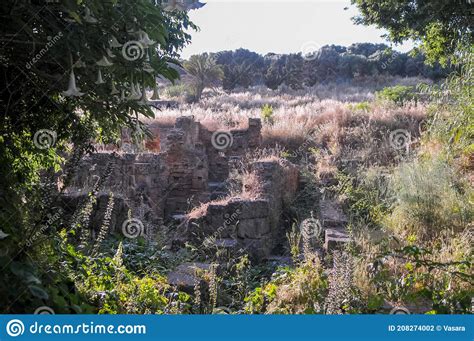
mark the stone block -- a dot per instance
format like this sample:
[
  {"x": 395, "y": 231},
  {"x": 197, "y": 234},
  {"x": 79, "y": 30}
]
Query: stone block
[
  {"x": 187, "y": 275},
  {"x": 335, "y": 239},
  {"x": 253, "y": 228}
]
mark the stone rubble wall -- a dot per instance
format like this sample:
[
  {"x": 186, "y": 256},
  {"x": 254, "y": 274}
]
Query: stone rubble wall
[
  {"x": 254, "y": 224},
  {"x": 170, "y": 177}
]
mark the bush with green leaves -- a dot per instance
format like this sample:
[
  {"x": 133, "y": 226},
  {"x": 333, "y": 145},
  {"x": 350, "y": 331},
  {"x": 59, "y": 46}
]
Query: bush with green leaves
[
  {"x": 399, "y": 94},
  {"x": 361, "y": 106},
  {"x": 452, "y": 117},
  {"x": 84, "y": 88},
  {"x": 429, "y": 197},
  {"x": 267, "y": 114},
  {"x": 364, "y": 195}
]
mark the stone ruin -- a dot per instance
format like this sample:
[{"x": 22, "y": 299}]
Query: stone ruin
[
  {"x": 251, "y": 222},
  {"x": 179, "y": 181},
  {"x": 176, "y": 187}
]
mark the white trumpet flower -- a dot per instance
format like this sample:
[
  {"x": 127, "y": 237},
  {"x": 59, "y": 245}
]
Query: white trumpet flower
[
  {"x": 79, "y": 64},
  {"x": 99, "y": 78},
  {"x": 113, "y": 43},
  {"x": 155, "y": 96},
  {"x": 143, "y": 100},
  {"x": 110, "y": 53},
  {"x": 72, "y": 90},
  {"x": 148, "y": 68},
  {"x": 180, "y": 5},
  {"x": 168, "y": 5},
  {"x": 104, "y": 62},
  {"x": 144, "y": 38},
  {"x": 114, "y": 90},
  {"x": 139, "y": 92},
  {"x": 88, "y": 17},
  {"x": 134, "y": 92}
]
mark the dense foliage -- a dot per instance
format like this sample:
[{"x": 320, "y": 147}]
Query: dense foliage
[
  {"x": 440, "y": 26},
  {"x": 66, "y": 73},
  {"x": 72, "y": 71},
  {"x": 332, "y": 63}
]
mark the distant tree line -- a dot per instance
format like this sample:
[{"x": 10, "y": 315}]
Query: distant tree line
[{"x": 331, "y": 63}]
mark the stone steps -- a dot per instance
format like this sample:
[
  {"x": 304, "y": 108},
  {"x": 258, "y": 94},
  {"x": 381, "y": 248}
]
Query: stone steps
[
  {"x": 187, "y": 275},
  {"x": 217, "y": 190},
  {"x": 226, "y": 243},
  {"x": 334, "y": 223},
  {"x": 335, "y": 239}
]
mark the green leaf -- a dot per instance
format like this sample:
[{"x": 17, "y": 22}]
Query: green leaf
[{"x": 76, "y": 17}]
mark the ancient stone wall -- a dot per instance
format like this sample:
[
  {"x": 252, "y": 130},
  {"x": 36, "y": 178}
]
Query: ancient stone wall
[
  {"x": 253, "y": 224},
  {"x": 187, "y": 162},
  {"x": 172, "y": 175},
  {"x": 236, "y": 141}
]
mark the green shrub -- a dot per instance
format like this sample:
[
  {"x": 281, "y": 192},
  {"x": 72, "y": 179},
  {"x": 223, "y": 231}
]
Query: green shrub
[
  {"x": 267, "y": 114},
  {"x": 398, "y": 94},
  {"x": 291, "y": 291},
  {"x": 429, "y": 198},
  {"x": 452, "y": 120},
  {"x": 361, "y": 106},
  {"x": 364, "y": 195},
  {"x": 178, "y": 90}
]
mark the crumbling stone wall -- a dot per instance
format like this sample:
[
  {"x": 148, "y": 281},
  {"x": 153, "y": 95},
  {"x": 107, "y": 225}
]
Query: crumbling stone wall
[
  {"x": 178, "y": 174},
  {"x": 187, "y": 162},
  {"x": 137, "y": 181},
  {"x": 254, "y": 224},
  {"x": 171, "y": 176},
  {"x": 242, "y": 140}
]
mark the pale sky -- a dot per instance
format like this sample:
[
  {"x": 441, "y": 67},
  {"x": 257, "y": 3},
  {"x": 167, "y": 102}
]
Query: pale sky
[{"x": 279, "y": 26}]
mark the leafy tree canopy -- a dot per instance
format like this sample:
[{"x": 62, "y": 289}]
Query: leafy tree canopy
[{"x": 439, "y": 26}]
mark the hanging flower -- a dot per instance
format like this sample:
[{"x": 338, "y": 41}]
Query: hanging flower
[
  {"x": 99, "y": 78},
  {"x": 88, "y": 17},
  {"x": 144, "y": 38},
  {"x": 148, "y": 68},
  {"x": 110, "y": 53},
  {"x": 155, "y": 96},
  {"x": 72, "y": 90},
  {"x": 181, "y": 5},
  {"x": 113, "y": 43},
  {"x": 79, "y": 64},
  {"x": 143, "y": 100},
  {"x": 114, "y": 90},
  {"x": 104, "y": 62}
]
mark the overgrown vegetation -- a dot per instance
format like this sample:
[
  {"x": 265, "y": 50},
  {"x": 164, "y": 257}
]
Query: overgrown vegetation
[{"x": 409, "y": 201}]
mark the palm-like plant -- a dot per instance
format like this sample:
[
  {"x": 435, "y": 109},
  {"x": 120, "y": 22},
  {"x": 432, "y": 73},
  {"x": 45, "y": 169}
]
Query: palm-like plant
[{"x": 205, "y": 72}]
